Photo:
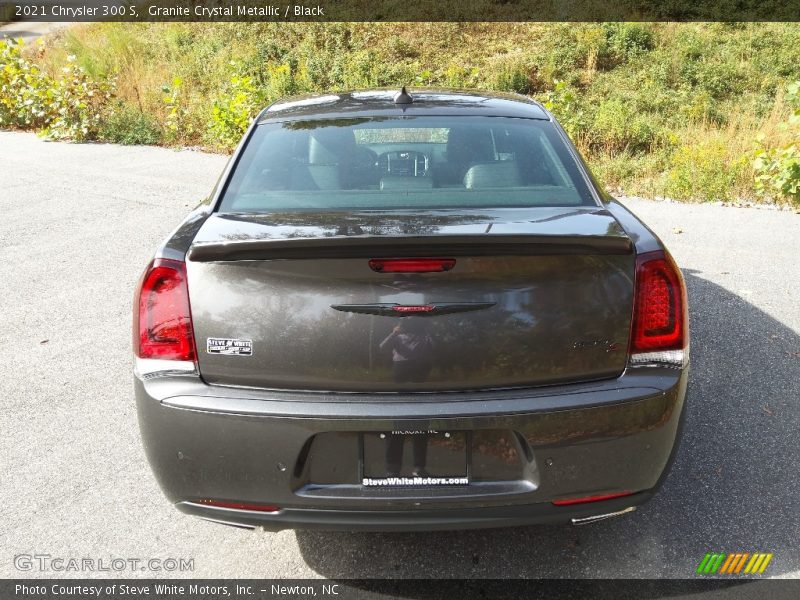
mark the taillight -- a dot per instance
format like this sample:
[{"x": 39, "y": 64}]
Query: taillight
[
  {"x": 411, "y": 265},
  {"x": 659, "y": 331},
  {"x": 164, "y": 323}
]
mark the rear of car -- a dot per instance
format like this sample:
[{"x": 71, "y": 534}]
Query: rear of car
[{"x": 409, "y": 315}]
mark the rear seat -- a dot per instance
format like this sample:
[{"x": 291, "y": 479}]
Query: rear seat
[
  {"x": 497, "y": 174},
  {"x": 315, "y": 177},
  {"x": 323, "y": 171}
]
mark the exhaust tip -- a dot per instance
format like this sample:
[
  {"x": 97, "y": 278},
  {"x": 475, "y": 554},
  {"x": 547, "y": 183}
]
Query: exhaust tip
[{"x": 595, "y": 518}]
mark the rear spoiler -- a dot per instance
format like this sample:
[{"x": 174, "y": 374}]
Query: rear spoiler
[{"x": 386, "y": 247}]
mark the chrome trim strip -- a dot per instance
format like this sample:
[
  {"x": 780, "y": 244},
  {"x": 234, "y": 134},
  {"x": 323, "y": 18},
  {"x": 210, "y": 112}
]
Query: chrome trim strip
[
  {"x": 228, "y": 523},
  {"x": 147, "y": 368},
  {"x": 677, "y": 359},
  {"x": 595, "y": 518}
]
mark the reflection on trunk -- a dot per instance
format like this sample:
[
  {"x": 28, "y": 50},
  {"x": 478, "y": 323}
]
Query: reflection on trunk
[{"x": 412, "y": 350}]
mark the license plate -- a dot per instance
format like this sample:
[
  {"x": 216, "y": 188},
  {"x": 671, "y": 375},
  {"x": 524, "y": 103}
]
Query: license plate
[{"x": 414, "y": 458}]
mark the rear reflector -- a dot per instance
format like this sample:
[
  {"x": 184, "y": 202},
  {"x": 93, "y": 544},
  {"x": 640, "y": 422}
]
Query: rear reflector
[
  {"x": 411, "y": 265},
  {"x": 585, "y": 499},
  {"x": 163, "y": 322},
  {"x": 660, "y": 318},
  {"x": 269, "y": 508}
]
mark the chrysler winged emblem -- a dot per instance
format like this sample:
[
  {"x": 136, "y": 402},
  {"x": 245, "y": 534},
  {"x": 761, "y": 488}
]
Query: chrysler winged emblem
[{"x": 412, "y": 310}]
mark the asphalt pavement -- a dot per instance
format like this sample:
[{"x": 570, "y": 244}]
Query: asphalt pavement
[
  {"x": 29, "y": 31},
  {"x": 78, "y": 222}
]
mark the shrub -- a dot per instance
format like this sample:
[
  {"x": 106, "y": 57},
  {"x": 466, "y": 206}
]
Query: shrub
[
  {"x": 286, "y": 80},
  {"x": 777, "y": 170},
  {"x": 591, "y": 42},
  {"x": 456, "y": 76},
  {"x": 24, "y": 89},
  {"x": 565, "y": 56},
  {"x": 627, "y": 41},
  {"x": 636, "y": 174},
  {"x": 718, "y": 79},
  {"x": 361, "y": 69},
  {"x": 400, "y": 48},
  {"x": 76, "y": 105},
  {"x": 68, "y": 108},
  {"x": 513, "y": 76},
  {"x": 128, "y": 125},
  {"x": 424, "y": 78},
  {"x": 699, "y": 106},
  {"x": 563, "y": 103},
  {"x": 397, "y": 74},
  {"x": 176, "y": 118},
  {"x": 232, "y": 111},
  {"x": 617, "y": 128},
  {"x": 704, "y": 170}
]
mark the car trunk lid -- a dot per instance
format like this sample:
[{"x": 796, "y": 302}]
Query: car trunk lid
[{"x": 292, "y": 301}]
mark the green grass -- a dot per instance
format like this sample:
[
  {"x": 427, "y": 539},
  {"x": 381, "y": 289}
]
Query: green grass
[{"x": 658, "y": 109}]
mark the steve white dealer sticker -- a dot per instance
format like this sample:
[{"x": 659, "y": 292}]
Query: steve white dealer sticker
[{"x": 230, "y": 347}]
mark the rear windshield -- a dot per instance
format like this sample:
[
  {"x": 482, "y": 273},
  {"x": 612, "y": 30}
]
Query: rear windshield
[{"x": 404, "y": 163}]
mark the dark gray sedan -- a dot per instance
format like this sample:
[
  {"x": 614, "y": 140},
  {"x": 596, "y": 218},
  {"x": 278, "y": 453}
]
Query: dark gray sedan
[{"x": 409, "y": 312}]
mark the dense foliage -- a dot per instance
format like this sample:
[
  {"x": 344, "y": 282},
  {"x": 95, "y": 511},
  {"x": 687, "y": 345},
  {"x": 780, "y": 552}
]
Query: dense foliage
[
  {"x": 699, "y": 111},
  {"x": 66, "y": 107},
  {"x": 778, "y": 168}
]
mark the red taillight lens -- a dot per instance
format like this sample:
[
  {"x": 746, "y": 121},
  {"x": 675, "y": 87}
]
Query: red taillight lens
[
  {"x": 241, "y": 505},
  {"x": 659, "y": 312},
  {"x": 585, "y": 499},
  {"x": 411, "y": 265},
  {"x": 421, "y": 308},
  {"x": 164, "y": 328}
]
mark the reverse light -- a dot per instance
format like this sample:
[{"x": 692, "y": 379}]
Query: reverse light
[
  {"x": 163, "y": 327},
  {"x": 585, "y": 499},
  {"x": 268, "y": 508},
  {"x": 659, "y": 330},
  {"x": 411, "y": 265}
]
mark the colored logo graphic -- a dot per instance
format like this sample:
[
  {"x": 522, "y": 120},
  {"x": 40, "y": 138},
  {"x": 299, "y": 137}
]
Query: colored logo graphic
[{"x": 734, "y": 564}]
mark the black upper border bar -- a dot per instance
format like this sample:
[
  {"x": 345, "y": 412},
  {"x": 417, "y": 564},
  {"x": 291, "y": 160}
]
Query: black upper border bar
[{"x": 399, "y": 10}]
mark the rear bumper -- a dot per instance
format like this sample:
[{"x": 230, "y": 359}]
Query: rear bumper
[
  {"x": 419, "y": 520},
  {"x": 206, "y": 442}
]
